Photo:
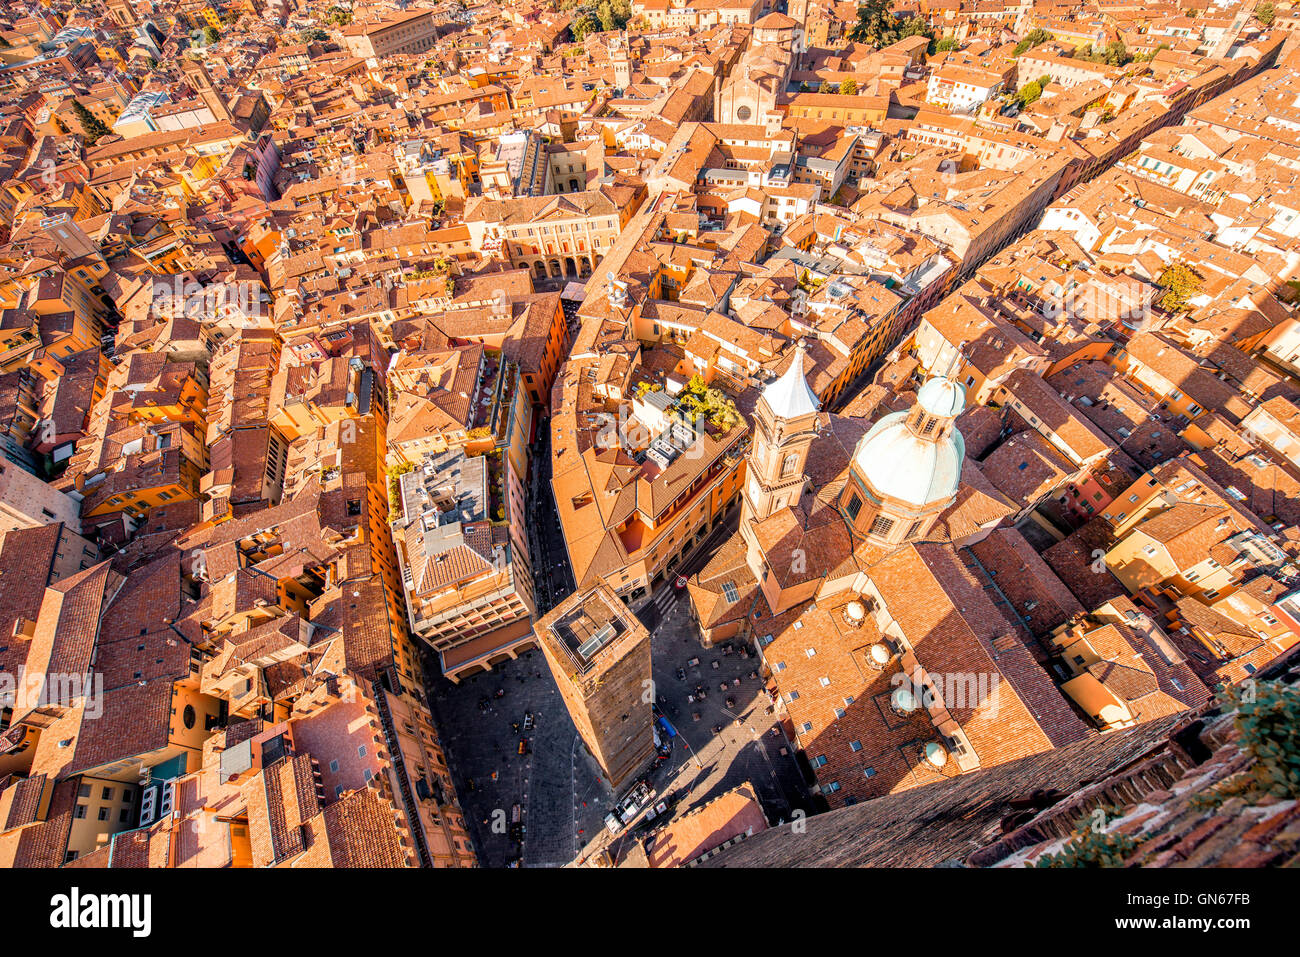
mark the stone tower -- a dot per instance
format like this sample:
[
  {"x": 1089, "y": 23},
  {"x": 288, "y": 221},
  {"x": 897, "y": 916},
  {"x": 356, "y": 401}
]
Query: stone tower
[{"x": 599, "y": 655}]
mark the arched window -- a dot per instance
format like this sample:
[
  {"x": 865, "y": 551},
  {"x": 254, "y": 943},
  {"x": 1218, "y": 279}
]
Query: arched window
[{"x": 790, "y": 464}]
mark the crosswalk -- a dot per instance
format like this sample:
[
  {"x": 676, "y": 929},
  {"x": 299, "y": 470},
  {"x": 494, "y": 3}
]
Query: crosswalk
[{"x": 665, "y": 598}]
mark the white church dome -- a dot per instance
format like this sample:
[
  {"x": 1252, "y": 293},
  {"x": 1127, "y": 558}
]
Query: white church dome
[{"x": 901, "y": 464}]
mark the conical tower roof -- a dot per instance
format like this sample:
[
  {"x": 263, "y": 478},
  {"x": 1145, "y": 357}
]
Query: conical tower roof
[{"x": 789, "y": 396}]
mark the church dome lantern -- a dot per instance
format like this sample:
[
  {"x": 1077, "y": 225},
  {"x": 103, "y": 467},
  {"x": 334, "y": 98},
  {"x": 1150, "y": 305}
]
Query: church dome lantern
[{"x": 942, "y": 398}]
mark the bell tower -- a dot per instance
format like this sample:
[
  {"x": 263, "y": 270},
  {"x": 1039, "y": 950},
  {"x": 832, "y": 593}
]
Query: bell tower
[
  {"x": 197, "y": 75},
  {"x": 785, "y": 423},
  {"x": 621, "y": 54}
]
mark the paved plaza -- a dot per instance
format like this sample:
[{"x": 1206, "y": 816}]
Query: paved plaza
[{"x": 562, "y": 796}]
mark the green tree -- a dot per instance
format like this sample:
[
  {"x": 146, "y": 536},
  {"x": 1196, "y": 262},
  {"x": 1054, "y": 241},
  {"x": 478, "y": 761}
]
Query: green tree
[
  {"x": 1117, "y": 54},
  {"x": 1091, "y": 846},
  {"x": 1264, "y": 13},
  {"x": 1144, "y": 57},
  {"x": 395, "y": 474},
  {"x": 1028, "y": 93},
  {"x": 873, "y": 22},
  {"x": 1180, "y": 284},
  {"x": 945, "y": 44},
  {"x": 1114, "y": 54},
  {"x": 614, "y": 14},
  {"x": 312, "y": 34},
  {"x": 1031, "y": 39},
  {"x": 91, "y": 125},
  {"x": 913, "y": 27},
  {"x": 849, "y": 87},
  {"x": 878, "y": 27},
  {"x": 584, "y": 23},
  {"x": 828, "y": 87},
  {"x": 211, "y": 35},
  {"x": 713, "y": 405},
  {"x": 1268, "y": 717},
  {"x": 605, "y": 14}
]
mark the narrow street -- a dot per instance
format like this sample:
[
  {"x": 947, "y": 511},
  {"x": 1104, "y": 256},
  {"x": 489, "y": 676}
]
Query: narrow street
[{"x": 552, "y": 576}]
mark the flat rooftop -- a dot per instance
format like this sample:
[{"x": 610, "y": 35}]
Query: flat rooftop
[
  {"x": 449, "y": 488},
  {"x": 590, "y": 626}
]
